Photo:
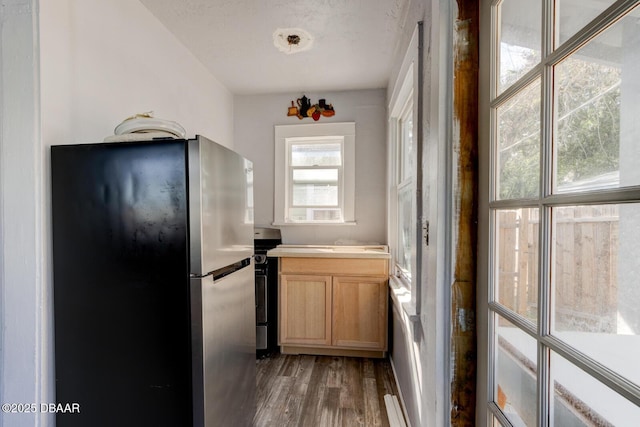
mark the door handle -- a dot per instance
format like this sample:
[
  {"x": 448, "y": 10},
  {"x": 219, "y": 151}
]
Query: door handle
[{"x": 425, "y": 232}]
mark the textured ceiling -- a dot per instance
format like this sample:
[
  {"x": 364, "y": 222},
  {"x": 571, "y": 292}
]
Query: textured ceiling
[{"x": 354, "y": 41}]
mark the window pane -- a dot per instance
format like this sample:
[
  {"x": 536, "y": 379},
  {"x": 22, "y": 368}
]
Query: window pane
[
  {"x": 516, "y": 373},
  {"x": 316, "y": 154},
  {"x": 597, "y": 112},
  {"x": 518, "y": 157},
  {"x": 314, "y": 214},
  {"x": 520, "y": 39},
  {"x": 575, "y": 14},
  {"x": 596, "y": 294},
  {"x": 405, "y": 228},
  {"x": 406, "y": 147},
  {"x": 315, "y": 195},
  {"x": 516, "y": 280},
  {"x": 248, "y": 168},
  {"x": 315, "y": 175},
  {"x": 581, "y": 400}
]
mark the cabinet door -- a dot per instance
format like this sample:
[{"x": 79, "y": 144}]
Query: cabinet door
[
  {"x": 360, "y": 312},
  {"x": 305, "y": 310}
]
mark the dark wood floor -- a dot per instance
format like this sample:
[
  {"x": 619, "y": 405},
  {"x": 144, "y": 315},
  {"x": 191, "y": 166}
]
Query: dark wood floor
[{"x": 322, "y": 391}]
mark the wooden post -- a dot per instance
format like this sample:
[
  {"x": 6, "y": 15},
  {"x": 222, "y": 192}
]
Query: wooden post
[{"x": 463, "y": 292}]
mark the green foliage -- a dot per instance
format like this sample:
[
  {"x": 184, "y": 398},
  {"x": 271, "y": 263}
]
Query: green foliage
[
  {"x": 519, "y": 139},
  {"x": 586, "y": 128}
]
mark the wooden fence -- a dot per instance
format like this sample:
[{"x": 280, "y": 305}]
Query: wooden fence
[{"x": 584, "y": 269}]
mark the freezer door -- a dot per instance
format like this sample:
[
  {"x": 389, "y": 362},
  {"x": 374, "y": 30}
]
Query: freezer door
[
  {"x": 224, "y": 349},
  {"x": 120, "y": 292},
  {"x": 220, "y": 206}
]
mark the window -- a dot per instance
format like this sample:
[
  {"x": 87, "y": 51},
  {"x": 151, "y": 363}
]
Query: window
[
  {"x": 249, "y": 208},
  {"x": 315, "y": 179},
  {"x": 315, "y": 174},
  {"x": 404, "y": 187},
  {"x": 404, "y": 209},
  {"x": 563, "y": 298},
  {"x": 405, "y": 190}
]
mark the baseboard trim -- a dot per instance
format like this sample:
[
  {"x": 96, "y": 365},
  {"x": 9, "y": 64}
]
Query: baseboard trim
[
  {"x": 394, "y": 412},
  {"x": 403, "y": 407},
  {"x": 321, "y": 351}
]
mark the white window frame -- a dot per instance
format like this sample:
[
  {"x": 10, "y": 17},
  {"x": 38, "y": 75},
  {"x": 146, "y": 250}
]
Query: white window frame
[
  {"x": 407, "y": 88},
  {"x": 285, "y": 137},
  {"x": 402, "y": 184}
]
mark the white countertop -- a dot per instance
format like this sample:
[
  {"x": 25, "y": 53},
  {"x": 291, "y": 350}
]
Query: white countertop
[{"x": 330, "y": 251}]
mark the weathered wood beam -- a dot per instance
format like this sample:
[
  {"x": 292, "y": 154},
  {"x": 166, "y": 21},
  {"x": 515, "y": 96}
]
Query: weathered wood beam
[{"x": 463, "y": 292}]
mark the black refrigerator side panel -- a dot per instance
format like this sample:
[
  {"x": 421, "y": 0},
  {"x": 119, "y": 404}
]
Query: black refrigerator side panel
[{"x": 121, "y": 287}]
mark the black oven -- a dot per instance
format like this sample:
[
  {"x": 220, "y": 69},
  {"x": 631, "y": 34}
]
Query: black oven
[{"x": 266, "y": 291}]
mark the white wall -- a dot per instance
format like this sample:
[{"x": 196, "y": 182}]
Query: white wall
[
  {"x": 103, "y": 61},
  {"x": 71, "y": 71},
  {"x": 420, "y": 349},
  {"x": 255, "y": 118}
]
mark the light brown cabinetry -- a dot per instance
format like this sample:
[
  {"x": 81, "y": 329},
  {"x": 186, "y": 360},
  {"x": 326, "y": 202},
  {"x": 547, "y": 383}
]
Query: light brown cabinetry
[
  {"x": 359, "y": 313},
  {"x": 306, "y": 309},
  {"x": 333, "y": 306}
]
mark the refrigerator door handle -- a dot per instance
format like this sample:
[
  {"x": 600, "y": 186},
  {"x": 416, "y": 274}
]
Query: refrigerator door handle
[{"x": 224, "y": 271}]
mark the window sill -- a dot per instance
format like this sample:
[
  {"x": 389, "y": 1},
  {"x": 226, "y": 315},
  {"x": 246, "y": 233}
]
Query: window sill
[
  {"x": 401, "y": 297},
  {"x": 296, "y": 224}
]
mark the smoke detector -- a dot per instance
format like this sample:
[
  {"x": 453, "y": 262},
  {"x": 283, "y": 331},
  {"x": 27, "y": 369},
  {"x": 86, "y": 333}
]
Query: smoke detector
[{"x": 292, "y": 40}]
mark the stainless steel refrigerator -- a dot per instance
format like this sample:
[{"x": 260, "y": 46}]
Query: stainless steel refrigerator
[{"x": 154, "y": 298}]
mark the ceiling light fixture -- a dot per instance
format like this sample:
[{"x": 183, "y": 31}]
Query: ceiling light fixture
[{"x": 292, "y": 40}]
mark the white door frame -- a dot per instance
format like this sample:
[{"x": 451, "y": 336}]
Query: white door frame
[{"x": 26, "y": 373}]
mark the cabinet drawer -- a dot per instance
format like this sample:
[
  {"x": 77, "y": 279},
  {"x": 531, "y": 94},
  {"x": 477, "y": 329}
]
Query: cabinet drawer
[{"x": 335, "y": 266}]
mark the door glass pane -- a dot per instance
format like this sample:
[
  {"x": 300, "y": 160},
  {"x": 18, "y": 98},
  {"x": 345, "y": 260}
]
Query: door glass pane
[
  {"x": 516, "y": 373},
  {"x": 597, "y": 112},
  {"x": 520, "y": 39},
  {"x": 581, "y": 400},
  {"x": 575, "y": 14},
  {"x": 316, "y": 154},
  {"x": 516, "y": 243},
  {"x": 518, "y": 154},
  {"x": 596, "y": 293}
]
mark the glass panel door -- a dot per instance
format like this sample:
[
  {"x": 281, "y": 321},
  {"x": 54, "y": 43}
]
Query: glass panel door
[{"x": 564, "y": 212}]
